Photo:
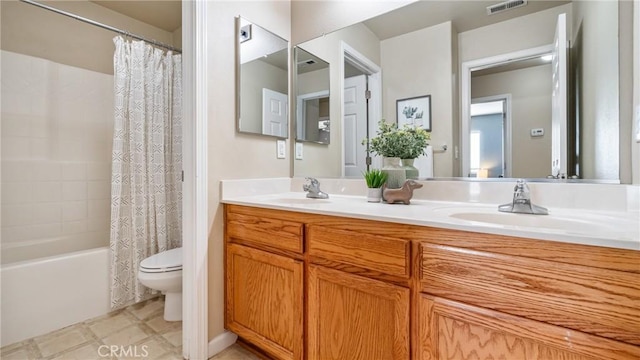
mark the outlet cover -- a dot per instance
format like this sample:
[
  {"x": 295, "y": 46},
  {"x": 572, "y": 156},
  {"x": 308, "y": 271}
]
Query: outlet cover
[
  {"x": 281, "y": 149},
  {"x": 298, "y": 151}
]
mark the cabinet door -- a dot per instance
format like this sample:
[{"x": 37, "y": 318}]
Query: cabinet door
[
  {"x": 453, "y": 330},
  {"x": 351, "y": 317},
  {"x": 264, "y": 300}
]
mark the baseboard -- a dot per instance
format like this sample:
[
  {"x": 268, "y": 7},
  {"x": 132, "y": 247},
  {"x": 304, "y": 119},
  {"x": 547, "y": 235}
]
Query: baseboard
[{"x": 221, "y": 342}]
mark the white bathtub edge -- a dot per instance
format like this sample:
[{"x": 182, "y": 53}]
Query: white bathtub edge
[{"x": 61, "y": 291}]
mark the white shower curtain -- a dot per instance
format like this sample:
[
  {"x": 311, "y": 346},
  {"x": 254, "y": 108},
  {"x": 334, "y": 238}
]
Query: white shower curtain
[{"x": 146, "y": 188}]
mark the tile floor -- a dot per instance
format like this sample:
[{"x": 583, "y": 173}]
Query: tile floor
[
  {"x": 136, "y": 332},
  {"x": 235, "y": 352}
]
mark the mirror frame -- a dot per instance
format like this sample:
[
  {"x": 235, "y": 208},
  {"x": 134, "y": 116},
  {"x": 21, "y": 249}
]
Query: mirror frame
[{"x": 238, "y": 65}]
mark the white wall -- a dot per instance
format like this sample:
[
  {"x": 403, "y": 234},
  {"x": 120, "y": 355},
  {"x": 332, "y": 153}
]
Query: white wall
[
  {"x": 56, "y": 153},
  {"x": 232, "y": 155},
  {"x": 530, "y": 91},
  {"x": 421, "y": 63}
]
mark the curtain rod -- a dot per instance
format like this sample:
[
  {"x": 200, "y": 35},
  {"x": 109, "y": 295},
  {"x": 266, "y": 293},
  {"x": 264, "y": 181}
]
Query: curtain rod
[{"x": 95, "y": 23}]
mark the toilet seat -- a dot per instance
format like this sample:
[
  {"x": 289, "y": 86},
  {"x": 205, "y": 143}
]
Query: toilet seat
[{"x": 166, "y": 261}]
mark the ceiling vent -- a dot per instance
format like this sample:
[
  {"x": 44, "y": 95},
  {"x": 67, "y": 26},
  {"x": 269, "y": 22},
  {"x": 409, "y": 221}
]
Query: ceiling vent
[
  {"x": 306, "y": 62},
  {"x": 504, "y": 6}
]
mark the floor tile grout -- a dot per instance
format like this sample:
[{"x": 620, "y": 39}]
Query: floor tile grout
[
  {"x": 131, "y": 325},
  {"x": 141, "y": 319}
]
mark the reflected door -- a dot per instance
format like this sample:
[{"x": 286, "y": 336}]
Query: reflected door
[
  {"x": 355, "y": 125},
  {"x": 488, "y": 139},
  {"x": 274, "y": 113},
  {"x": 559, "y": 100}
]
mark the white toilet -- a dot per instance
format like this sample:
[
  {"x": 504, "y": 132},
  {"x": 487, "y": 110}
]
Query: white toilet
[{"x": 163, "y": 272}]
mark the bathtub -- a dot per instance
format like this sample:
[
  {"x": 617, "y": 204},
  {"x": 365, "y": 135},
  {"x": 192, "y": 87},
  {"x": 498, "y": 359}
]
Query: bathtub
[{"x": 49, "y": 293}]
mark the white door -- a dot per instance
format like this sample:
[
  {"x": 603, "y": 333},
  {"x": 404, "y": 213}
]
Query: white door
[
  {"x": 274, "y": 113},
  {"x": 355, "y": 125},
  {"x": 559, "y": 99}
]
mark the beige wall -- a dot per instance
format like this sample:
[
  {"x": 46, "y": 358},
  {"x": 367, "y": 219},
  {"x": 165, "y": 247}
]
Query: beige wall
[
  {"x": 29, "y": 30},
  {"x": 257, "y": 75},
  {"x": 313, "y": 18},
  {"x": 521, "y": 33},
  {"x": 627, "y": 142},
  {"x": 421, "y": 63},
  {"x": 232, "y": 155},
  {"x": 635, "y": 146},
  {"x": 530, "y": 91},
  {"x": 313, "y": 162},
  {"x": 599, "y": 81},
  {"x": 326, "y": 160}
]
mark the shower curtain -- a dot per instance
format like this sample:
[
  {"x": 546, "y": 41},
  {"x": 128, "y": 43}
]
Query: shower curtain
[{"x": 146, "y": 187}]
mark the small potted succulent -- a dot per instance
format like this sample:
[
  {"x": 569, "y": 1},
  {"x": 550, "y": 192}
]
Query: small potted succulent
[{"x": 375, "y": 179}]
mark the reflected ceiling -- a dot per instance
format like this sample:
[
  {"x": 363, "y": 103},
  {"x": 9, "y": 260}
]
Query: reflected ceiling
[{"x": 465, "y": 15}]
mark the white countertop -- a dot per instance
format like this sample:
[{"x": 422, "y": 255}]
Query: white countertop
[{"x": 616, "y": 229}]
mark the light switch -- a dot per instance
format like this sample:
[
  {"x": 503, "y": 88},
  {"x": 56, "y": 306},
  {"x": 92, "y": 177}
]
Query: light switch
[
  {"x": 281, "y": 146},
  {"x": 298, "y": 151},
  {"x": 537, "y": 132}
]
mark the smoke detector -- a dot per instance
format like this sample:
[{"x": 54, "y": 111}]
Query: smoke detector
[{"x": 504, "y": 6}]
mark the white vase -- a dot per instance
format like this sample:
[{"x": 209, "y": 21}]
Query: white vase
[
  {"x": 396, "y": 174},
  {"x": 374, "y": 195}
]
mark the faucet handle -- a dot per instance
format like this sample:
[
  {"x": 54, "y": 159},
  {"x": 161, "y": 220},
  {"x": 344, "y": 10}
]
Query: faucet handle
[
  {"x": 521, "y": 186},
  {"x": 313, "y": 181}
]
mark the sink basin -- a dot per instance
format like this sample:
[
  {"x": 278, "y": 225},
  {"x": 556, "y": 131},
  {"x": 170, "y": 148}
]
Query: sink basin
[
  {"x": 299, "y": 201},
  {"x": 556, "y": 220},
  {"x": 528, "y": 220}
]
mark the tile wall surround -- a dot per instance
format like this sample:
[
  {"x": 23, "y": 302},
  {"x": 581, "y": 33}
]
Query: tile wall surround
[
  {"x": 57, "y": 126},
  {"x": 596, "y": 197}
]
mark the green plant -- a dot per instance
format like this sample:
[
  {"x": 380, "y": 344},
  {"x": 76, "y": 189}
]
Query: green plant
[
  {"x": 405, "y": 143},
  {"x": 417, "y": 140},
  {"x": 375, "y": 178}
]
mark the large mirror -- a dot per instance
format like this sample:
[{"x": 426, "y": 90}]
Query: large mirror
[
  {"x": 262, "y": 81},
  {"x": 313, "y": 120},
  {"x": 420, "y": 50}
]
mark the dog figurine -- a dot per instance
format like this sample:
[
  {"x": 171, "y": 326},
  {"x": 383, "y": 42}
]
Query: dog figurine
[{"x": 403, "y": 195}]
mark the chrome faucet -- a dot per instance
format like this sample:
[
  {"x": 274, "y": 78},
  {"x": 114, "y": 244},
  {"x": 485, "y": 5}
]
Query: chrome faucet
[
  {"x": 522, "y": 201},
  {"x": 313, "y": 189}
]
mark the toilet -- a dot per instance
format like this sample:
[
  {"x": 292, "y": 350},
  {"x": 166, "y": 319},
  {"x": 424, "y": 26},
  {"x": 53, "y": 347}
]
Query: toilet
[{"x": 163, "y": 272}]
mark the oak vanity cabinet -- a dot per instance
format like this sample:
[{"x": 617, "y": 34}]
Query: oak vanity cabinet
[
  {"x": 320, "y": 287},
  {"x": 264, "y": 283},
  {"x": 511, "y": 298},
  {"x": 358, "y": 307}
]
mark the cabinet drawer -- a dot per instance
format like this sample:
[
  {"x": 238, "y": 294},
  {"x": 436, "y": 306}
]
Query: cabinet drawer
[
  {"x": 265, "y": 232},
  {"x": 380, "y": 254},
  {"x": 597, "y": 301},
  {"x": 453, "y": 330}
]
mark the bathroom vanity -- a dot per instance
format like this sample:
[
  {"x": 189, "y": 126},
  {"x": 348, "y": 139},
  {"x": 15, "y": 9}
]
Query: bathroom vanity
[{"x": 302, "y": 283}]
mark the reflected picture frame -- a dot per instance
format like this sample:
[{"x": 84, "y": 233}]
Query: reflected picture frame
[{"x": 414, "y": 111}]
